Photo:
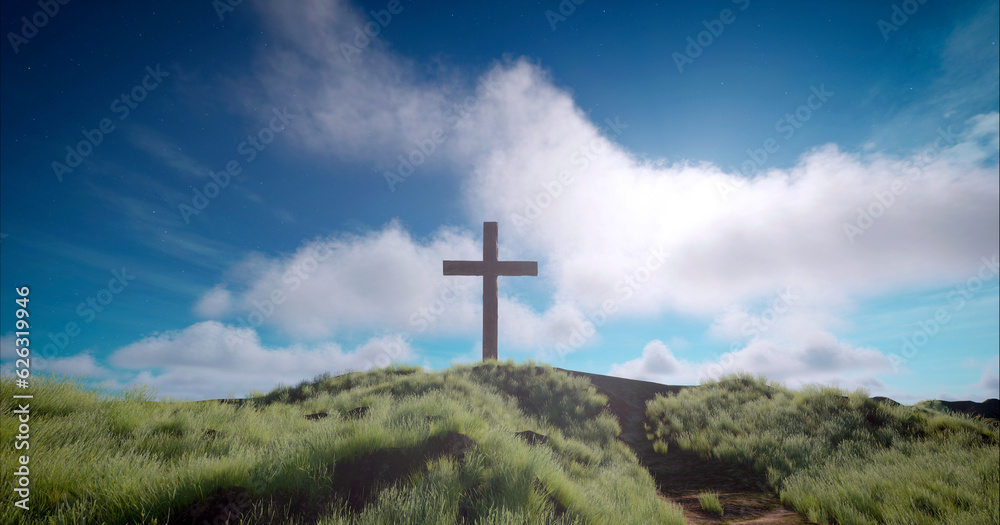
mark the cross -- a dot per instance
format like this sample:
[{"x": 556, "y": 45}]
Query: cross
[{"x": 490, "y": 268}]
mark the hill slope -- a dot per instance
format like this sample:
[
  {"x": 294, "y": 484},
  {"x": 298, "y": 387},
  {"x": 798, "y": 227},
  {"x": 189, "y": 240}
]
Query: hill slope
[{"x": 492, "y": 443}]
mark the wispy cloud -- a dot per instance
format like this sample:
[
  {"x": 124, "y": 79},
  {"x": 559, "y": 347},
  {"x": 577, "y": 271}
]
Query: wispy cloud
[
  {"x": 371, "y": 105},
  {"x": 166, "y": 151},
  {"x": 969, "y": 65}
]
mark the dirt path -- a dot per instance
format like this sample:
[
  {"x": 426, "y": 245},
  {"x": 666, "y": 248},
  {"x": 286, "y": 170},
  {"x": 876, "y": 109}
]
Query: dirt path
[{"x": 680, "y": 476}]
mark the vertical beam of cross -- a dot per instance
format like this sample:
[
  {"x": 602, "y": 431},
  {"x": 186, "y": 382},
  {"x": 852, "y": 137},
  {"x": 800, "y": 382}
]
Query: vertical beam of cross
[
  {"x": 491, "y": 314},
  {"x": 490, "y": 268}
]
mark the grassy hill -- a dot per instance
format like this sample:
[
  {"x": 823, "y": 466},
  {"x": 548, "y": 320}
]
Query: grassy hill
[
  {"x": 493, "y": 443},
  {"x": 395, "y": 445}
]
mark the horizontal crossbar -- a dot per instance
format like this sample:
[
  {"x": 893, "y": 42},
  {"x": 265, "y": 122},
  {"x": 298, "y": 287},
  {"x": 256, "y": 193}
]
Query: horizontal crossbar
[{"x": 491, "y": 268}]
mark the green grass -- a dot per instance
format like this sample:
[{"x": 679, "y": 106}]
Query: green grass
[
  {"x": 710, "y": 502},
  {"x": 123, "y": 458},
  {"x": 840, "y": 456}
]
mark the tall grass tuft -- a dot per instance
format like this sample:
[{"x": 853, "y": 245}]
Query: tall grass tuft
[{"x": 709, "y": 502}]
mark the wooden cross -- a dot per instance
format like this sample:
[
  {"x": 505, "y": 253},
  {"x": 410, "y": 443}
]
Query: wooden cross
[{"x": 490, "y": 268}]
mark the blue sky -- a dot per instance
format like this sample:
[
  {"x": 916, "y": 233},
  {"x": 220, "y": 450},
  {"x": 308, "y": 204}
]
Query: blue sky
[{"x": 212, "y": 198}]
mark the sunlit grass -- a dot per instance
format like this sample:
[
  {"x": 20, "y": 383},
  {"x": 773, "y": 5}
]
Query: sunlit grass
[{"x": 123, "y": 458}]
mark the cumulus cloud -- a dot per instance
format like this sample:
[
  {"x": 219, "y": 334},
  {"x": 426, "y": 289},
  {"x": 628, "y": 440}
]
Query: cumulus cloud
[
  {"x": 542, "y": 333},
  {"x": 78, "y": 365},
  {"x": 383, "y": 279},
  {"x": 815, "y": 358},
  {"x": 214, "y": 303},
  {"x": 730, "y": 238},
  {"x": 824, "y": 361},
  {"x": 783, "y": 339},
  {"x": 640, "y": 238},
  {"x": 211, "y": 360},
  {"x": 81, "y": 365},
  {"x": 657, "y": 364}
]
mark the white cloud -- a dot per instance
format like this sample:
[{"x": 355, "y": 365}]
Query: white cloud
[
  {"x": 816, "y": 358},
  {"x": 782, "y": 228},
  {"x": 213, "y": 360},
  {"x": 523, "y": 328},
  {"x": 382, "y": 280},
  {"x": 826, "y": 361},
  {"x": 214, "y": 303},
  {"x": 79, "y": 365},
  {"x": 657, "y": 364},
  {"x": 728, "y": 252},
  {"x": 792, "y": 346}
]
